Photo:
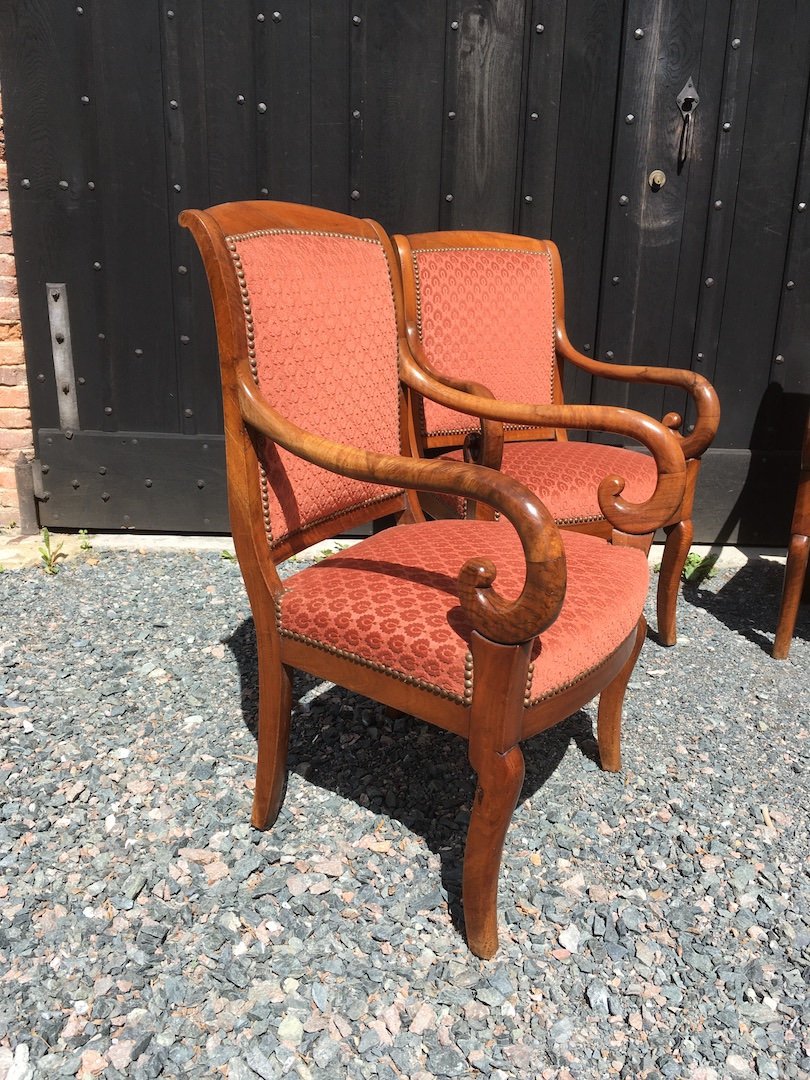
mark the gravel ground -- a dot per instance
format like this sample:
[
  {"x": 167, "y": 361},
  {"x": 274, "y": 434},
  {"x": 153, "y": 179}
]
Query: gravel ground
[{"x": 656, "y": 923}]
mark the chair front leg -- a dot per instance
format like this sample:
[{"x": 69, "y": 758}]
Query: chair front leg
[
  {"x": 611, "y": 700},
  {"x": 795, "y": 573},
  {"x": 275, "y": 697},
  {"x": 500, "y": 674},
  {"x": 676, "y": 548}
]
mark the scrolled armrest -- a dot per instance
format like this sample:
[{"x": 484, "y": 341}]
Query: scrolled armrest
[
  {"x": 501, "y": 620},
  {"x": 665, "y": 447},
  {"x": 703, "y": 394}
]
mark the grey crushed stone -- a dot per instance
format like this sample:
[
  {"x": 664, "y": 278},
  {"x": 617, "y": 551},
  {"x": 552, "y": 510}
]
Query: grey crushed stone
[{"x": 655, "y": 923}]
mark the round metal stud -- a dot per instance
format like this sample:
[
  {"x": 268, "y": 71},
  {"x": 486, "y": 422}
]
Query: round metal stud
[
  {"x": 139, "y": 352},
  {"x": 105, "y": 496},
  {"x": 40, "y": 377},
  {"x": 264, "y": 191},
  {"x": 75, "y": 484},
  {"x": 528, "y": 198},
  {"x": 539, "y": 28},
  {"x": 102, "y": 337},
  {"x": 451, "y": 115},
  {"x": 356, "y": 20},
  {"x": 779, "y": 359},
  {"x": 448, "y": 198},
  {"x": 727, "y": 126},
  {"x": 610, "y": 354},
  {"x": 80, "y": 11},
  {"x": 638, "y": 34},
  {"x": 261, "y": 107},
  {"x": 735, "y": 43},
  {"x": 108, "y": 411},
  {"x": 147, "y": 483},
  {"x": 85, "y": 99},
  {"x": 276, "y": 16},
  {"x": 615, "y": 280},
  {"x": 624, "y": 200},
  {"x": 355, "y": 194},
  {"x": 201, "y": 484},
  {"x": 25, "y": 182},
  {"x": 172, "y": 104},
  {"x": 801, "y": 207},
  {"x": 170, "y": 14},
  {"x": 63, "y": 184},
  {"x": 188, "y": 412},
  {"x": 718, "y": 204},
  {"x": 97, "y": 266},
  {"x": 356, "y": 114},
  {"x": 260, "y": 17},
  {"x": 91, "y": 186},
  {"x": 184, "y": 339},
  {"x": 182, "y": 269},
  {"x": 82, "y": 380},
  {"x": 700, "y": 357},
  {"x": 790, "y": 285},
  {"x": 454, "y": 25},
  {"x": 240, "y": 99},
  {"x": 534, "y": 116},
  {"x": 630, "y": 118},
  {"x": 177, "y": 188},
  {"x": 709, "y": 282}
]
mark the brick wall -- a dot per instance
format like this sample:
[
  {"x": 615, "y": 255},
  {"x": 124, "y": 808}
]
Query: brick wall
[{"x": 15, "y": 418}]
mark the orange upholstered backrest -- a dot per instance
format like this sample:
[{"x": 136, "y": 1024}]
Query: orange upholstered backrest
[
  {"x": 322, "y": 343},
  {"x": 485, "y": 314}
]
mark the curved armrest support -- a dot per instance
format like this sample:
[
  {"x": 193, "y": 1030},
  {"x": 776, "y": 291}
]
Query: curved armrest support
[
  {"x": 635, "y": 518},
  {"x": 703, "y": 394},
  {"x": 501, "y": 620}
]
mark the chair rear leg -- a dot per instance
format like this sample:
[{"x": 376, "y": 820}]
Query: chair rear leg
[
  {"x": 500, "y": 674},
  {"x": 611, "y": 700},
  {"x": 275, "y": 694},
  {"x": 795, "y": 571},
  {"x": 676, "y": 548}
]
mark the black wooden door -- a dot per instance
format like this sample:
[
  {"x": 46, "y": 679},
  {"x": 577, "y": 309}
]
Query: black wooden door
[{"x": 542, "y": 117}]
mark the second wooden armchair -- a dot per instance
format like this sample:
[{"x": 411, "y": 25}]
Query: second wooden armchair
[{"x": 489, "y": 307}]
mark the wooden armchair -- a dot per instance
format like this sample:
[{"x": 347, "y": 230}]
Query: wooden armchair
[
  {"x": 309, "y": 323},
  {"x": 797, "y": 557},
  {"x": 489, "y": 307}
]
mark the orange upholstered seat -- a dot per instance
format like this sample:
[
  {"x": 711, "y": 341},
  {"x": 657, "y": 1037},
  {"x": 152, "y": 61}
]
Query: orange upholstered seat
[
  {"x": 392, "y": 604},
  {"x": 566, "y": 476}
]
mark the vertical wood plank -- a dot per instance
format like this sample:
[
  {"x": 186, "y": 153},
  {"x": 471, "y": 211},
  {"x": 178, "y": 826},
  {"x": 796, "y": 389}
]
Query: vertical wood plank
[
  {"x": 540, "y": 117},
  {"x": 756, "y": 283},
  {"x": 593, "y": 35},
  {"x": 400, "y": 114},
  {"x": 484, "y": 85},
  {"x": 329, "y": 100}
]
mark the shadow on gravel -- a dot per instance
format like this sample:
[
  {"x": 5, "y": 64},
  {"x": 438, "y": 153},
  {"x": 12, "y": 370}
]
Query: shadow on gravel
[
  {"x": 399, "y": 767},
  {"x": 748, "y": 602}
]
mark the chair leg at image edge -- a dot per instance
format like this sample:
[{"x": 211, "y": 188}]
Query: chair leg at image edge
[{"x": 795, "y": 573}]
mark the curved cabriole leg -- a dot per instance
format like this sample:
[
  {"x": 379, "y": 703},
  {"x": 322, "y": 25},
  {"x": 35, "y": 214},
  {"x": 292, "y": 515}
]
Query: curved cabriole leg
[
  {"x": 496, "y": 719},
  {"x": 611, "y": 700},
  {"x": 275, "y": 690},
  {"x": 795, "y": 571},
  {"x": 676, "y": 548}
]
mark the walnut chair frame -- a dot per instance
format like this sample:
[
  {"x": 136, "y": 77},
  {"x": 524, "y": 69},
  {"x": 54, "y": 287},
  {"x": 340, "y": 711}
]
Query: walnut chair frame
[
  {"x": 796, "y": 579},
  {"x": 545, "y": 425},
  {"x": 496, "y": 714}
]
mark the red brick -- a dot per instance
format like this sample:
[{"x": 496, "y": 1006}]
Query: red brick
[
  {"x": 6, "y": 244},
  {"x": 9, "y": 309},
  {"x": 8, "y": 286},
  {"x": 8, "y": 478},
  {"x": 8, "y": 265},
  {"x": 14, "y": 398},
  {"x": 5, "y": 203},
  {"x": 5, "y": 221},
  {"x": 11, "y": 353},
  {"x": 13, "y": 417},
  {"x": 12, "y": 375},
  {"x": 10, "y": 331},
  {"x": 16, "y": 439}
]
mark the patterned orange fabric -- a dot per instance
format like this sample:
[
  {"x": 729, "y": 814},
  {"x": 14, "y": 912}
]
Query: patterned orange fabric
[
  {"x": 320, "y": 311},
  {"x": 486, "y": 315},
  {"x": 566, "y": 476},
  {"x": 391, "y": 603}
]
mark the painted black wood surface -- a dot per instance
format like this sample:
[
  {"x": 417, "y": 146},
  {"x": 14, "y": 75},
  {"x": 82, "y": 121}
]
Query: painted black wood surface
[{"x": 518, "y": 115}]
